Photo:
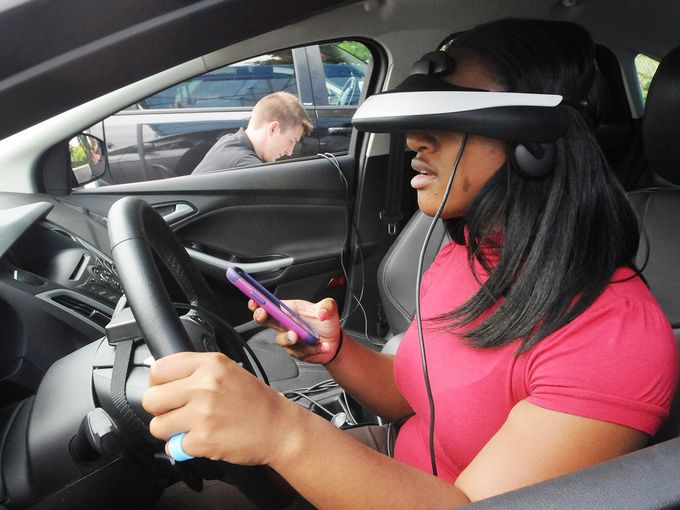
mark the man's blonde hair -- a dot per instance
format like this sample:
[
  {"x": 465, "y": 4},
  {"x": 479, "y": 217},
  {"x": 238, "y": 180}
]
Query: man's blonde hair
[{"x": 282, "y": 107}]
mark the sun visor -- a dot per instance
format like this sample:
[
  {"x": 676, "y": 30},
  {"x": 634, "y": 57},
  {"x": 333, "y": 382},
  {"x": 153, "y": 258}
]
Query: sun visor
[{"x": 425, "y": 103}]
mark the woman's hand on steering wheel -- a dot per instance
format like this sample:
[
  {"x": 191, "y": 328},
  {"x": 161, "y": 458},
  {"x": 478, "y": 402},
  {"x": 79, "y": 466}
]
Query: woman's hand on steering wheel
[{"x": 226, "y": 413}]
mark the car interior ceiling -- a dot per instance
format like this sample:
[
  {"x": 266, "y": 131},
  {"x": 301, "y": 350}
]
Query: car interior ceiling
[{"x": 62, "y": 46}]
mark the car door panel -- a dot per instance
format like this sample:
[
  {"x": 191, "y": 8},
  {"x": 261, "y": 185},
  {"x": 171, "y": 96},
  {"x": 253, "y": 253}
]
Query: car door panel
[{"x": 286, "y": 222}]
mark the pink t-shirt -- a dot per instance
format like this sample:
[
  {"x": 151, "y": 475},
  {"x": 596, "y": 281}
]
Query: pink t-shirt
[{"x": 616, "y": 362}]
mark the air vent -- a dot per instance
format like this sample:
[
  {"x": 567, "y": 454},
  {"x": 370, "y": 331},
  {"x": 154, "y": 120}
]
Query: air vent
[
  {"x": 79, "y": 268},
  {"x": 87, "y": 311}
]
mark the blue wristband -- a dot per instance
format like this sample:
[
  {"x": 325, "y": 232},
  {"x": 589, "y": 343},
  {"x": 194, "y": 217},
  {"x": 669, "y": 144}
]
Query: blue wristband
[{"x": 175, "y": 448}]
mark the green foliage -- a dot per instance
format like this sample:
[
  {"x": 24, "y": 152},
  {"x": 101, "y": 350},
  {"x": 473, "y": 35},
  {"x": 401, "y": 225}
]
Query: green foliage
[
  {"x": 357, "y": 49},
  {"x": 646, "y": 67},
  {"x": 78, "y": 156}
]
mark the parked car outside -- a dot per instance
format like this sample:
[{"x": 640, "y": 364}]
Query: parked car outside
[{"x": 168, "y": 133}]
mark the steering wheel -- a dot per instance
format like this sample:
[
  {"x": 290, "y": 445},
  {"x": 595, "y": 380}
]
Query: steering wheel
[
  {"x": 348, "y": 90},
  {"x": 136, "y": 233}
]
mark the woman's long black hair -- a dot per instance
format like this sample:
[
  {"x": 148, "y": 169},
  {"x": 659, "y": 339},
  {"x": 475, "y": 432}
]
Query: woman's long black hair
[{"x": 561, "y": 237}]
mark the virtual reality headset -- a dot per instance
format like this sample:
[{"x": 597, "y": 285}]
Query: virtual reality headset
[{"x": 424, "y": 102}]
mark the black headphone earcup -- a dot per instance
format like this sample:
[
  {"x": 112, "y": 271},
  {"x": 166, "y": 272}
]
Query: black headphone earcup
[{"x": 534, "y": 162}]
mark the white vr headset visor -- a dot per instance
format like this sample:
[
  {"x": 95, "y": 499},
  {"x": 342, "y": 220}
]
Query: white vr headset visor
[{"x": 426, "y": 103}]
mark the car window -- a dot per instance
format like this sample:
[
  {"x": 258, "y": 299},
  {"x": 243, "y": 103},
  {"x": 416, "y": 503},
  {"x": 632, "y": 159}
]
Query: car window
[
  {"x": 240, "y": 84},
  {"x": 168, "y": 133},
  {"x": 345, "y": 65},
  {"x": 646, "y": 67}
]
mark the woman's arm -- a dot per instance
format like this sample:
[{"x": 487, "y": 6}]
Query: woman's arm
[
  {"x": 229, "y": 415},
  {"x": 367, "y": 375},
  {"x": 334, "y": 471},
  {"x": 536, "y": 444}
]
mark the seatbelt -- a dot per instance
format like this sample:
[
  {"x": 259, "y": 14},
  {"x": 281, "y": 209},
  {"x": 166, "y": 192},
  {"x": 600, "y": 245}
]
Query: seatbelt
[
  {"x": 392, "y": 214},
  {"x": 634, "y": 166}
]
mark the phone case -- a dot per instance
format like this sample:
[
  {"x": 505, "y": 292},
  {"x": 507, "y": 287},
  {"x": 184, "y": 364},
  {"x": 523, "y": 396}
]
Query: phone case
[{"x": 274, "y": 307}]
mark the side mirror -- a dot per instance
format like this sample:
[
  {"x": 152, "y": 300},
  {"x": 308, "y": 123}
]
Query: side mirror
[{"x": 88, "y": 158}]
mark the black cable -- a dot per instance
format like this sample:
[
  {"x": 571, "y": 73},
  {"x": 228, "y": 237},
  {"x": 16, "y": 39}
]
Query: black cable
[
  {"x": 325, "y": 385},
  {"x": 310, "y": 399},
  {"x": 419, "y": 320},
  {"x": 349, "y": 221},
  {"x": 321, "y": 387},
  {"x": 219, "y": 319},
  {"x": 348, "y": 409}
]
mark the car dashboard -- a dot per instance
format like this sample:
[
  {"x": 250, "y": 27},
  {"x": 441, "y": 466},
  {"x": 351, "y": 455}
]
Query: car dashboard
[{"x": 57, "y": 292}]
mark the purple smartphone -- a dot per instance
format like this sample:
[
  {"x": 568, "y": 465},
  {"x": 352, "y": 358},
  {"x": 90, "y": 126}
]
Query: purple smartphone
[{"x": 274, "y": 307}]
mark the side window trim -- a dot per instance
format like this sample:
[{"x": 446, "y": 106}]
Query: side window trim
[
  {"x": 171, "y": 136},
  {"x": 317, "y": 74},
  {"x": 626, "y": 58},
  {"x": 304, "y": 80}
]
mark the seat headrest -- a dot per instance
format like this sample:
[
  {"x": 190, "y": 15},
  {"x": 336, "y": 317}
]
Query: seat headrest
[{"x": 661, "y": 122}]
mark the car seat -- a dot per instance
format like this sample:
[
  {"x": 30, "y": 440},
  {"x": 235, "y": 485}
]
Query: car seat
[
  {"x": 618, "y": 133},
  {"x": 658, "y": 208},
  {"x": 397, "y": 274}
]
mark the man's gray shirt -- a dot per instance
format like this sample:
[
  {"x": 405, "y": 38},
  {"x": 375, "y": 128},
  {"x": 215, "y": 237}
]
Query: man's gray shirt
[{"x": 230, "y": 151}]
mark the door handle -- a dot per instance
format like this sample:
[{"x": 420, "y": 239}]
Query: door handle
[
  {"x": 172, "y": 213},
  {"x": 250, "y": 267},
  {"x": 339, "y": 130}
]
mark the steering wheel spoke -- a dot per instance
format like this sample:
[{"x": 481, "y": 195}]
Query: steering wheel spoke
[
  {"x": 349, "y": 91},
  {"x": 136, "y": 233}
]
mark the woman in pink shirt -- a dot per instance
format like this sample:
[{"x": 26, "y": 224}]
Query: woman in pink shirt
[{"x": 546, "y": 351}]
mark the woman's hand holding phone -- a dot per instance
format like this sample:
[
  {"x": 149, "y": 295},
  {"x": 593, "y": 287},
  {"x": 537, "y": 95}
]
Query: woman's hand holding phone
[
  {"x": 308, "y": 331},
  {"x": 322, "y": 316}
]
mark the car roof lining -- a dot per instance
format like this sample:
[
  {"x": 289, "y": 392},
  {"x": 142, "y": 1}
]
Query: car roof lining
[
  {"x": 174, "y": 38},
  {"x": 166, "y": 35}
]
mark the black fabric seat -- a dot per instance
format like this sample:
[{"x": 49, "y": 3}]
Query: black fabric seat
[
  {"x": 617, "y": 133},
  {"x": 397, "y": 274},
  {"x": 397, "y": 271},
  {"x": 659, "y": 208}
]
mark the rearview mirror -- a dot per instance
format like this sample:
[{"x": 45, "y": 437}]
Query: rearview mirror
[{"x": 88, "y": 158}]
